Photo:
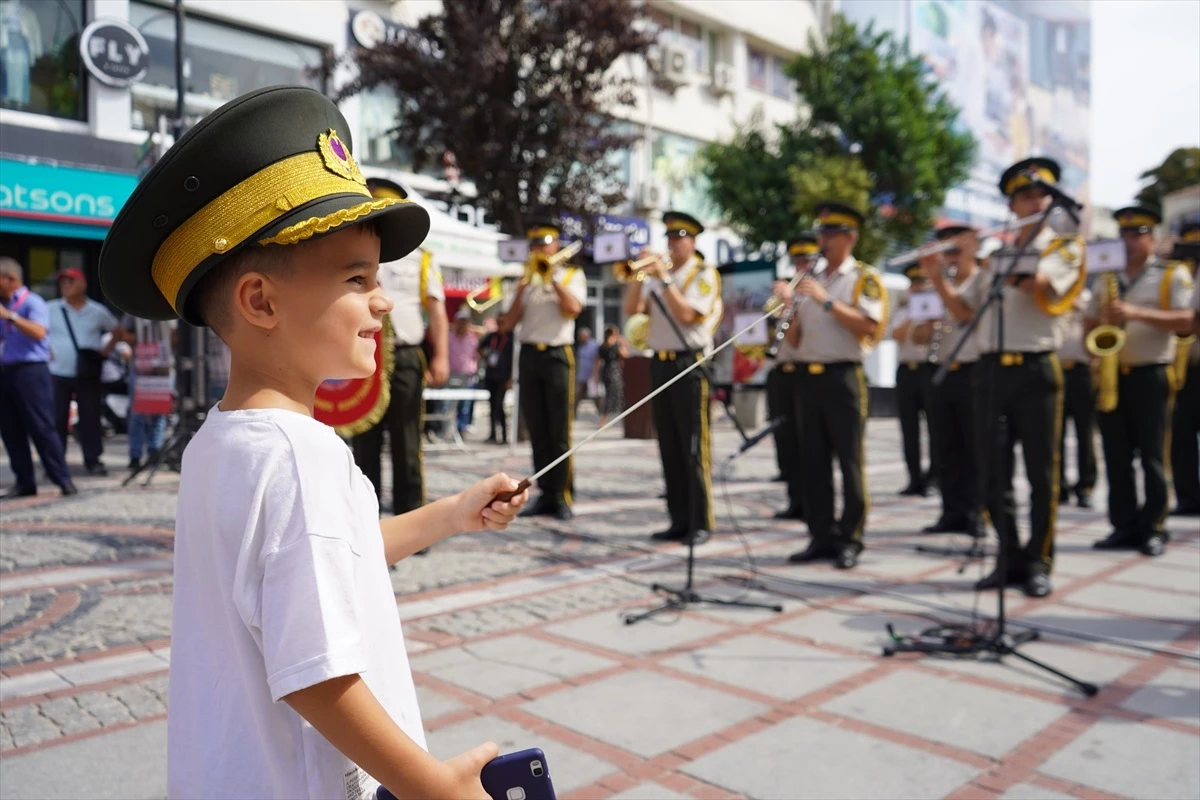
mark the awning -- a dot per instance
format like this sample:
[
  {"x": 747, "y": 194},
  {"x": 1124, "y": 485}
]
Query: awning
[{"x": 70, "y": 202}]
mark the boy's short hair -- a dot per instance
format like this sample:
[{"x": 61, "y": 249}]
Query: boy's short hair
[{"x": 212, "y": 296}]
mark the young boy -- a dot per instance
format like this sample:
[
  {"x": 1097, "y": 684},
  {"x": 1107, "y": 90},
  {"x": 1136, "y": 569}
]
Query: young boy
[{"x": 288, "y": 668}]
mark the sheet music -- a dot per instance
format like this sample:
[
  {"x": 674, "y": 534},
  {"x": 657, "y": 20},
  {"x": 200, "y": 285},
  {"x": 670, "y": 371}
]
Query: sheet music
[
  {"x": 924, "y": 306},
  {"x": 1106, "y": 256}
]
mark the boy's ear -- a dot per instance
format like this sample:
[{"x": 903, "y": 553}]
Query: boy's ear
[{"x": 255, "y": 300}]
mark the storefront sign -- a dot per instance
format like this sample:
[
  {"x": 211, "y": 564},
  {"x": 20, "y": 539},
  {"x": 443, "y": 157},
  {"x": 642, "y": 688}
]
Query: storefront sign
[
  {"x": 369, "y": 29},
  {"x": 114, "y": 52},
  {"x": 49, "y": 200},
  {"x": 635, "y": 228}
]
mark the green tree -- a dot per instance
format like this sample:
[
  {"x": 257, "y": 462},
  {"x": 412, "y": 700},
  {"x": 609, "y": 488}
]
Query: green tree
[
  {"x": 866, "y": 100},
  {"x": 838, "y": 179},
  {"x": 1179, "y": 170}
]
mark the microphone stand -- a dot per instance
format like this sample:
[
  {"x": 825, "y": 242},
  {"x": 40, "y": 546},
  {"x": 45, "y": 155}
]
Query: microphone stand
[
  {"x": 950, "y": 639},
  {"x": 687, "y": 595}
]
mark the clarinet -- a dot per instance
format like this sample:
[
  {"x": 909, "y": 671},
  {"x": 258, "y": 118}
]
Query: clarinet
[
  {"x": 785, "y": 319},
  {"x": 940, "y": 327}
]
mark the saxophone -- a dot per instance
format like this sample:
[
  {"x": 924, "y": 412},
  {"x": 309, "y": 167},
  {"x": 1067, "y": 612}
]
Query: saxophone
[{"x": 1105, "y": 342}]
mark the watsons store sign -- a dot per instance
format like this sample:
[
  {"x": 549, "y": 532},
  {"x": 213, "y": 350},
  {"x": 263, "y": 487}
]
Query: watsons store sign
[{"x": 45, "y": 200}]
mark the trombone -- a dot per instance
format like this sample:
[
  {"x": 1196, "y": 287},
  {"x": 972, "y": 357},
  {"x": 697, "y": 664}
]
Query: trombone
[
  {"x": 539, "y": 265},
  {"x": 940, "y": 247}
]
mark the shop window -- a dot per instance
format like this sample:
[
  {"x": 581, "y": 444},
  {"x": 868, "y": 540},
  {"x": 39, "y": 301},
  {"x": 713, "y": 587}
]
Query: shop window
[
  {"x": 221, "y": 62},
  {"x": 39, "y": 57}
]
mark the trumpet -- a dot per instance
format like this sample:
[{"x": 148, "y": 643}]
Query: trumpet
[
  {"x": 1105, "y": 343},
  {"x": 478, "y": 307},
  {"x": 542, "y": 266},
  {"x": 626, "y": 271}
]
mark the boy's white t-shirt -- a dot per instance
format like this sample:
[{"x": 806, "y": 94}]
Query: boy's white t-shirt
[{"x": 280, "y": 583}]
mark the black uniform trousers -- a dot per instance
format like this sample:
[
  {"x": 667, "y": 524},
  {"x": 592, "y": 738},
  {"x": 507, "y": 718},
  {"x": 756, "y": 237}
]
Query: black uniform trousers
[
  {"x": 679, "y": 412},
  {"x": 89, "y": 396},
  {"x": 912, "y": 396},
  {"x": 1185, "y": 444},
  {"x": 547, "y": 395},
  {"x": 833, "y": 414},
  {"x": 952, "y": 431},
  {"x": 26, "y": 403},
  {"x": 1024, "y": 393},
  {"x": 403, "y": 421},
  {"x": 1079, "y": 406},
  {"x": 1138, "y": 425},
  {"x": 783, "y": 402}
]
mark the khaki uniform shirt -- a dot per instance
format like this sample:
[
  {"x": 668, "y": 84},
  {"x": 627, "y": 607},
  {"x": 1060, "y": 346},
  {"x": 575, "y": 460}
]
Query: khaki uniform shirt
[
  {"x": 1145, "y": 344},
  {"x": 952, "y": 332},
  {"x": 786, "y": 354},
  {"x": 1027, "y": 328},
  {"x": 1072, "y": 348},
  {"x": 410, "y": 283},
  {"x": 542, "y": 318},
  {"x": 822, "y": 338},
  {"x": 700, "y": 285},
  {"x": 907, "y": 352}
]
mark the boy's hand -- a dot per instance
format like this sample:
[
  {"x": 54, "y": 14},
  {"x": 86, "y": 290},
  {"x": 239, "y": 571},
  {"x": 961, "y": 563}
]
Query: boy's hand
[
  {"x": 475, "y": 510},
  {"x": 464, "y": 771}
]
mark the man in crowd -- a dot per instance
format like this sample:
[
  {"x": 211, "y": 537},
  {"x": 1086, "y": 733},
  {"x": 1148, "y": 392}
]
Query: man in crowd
[
  {"x": 586, "y": 350},
  {"x": 1150, "y": 300},
  {"x": 1079, "y": 406},
  {"x": 913, "y": 375},
  {"x": 26, "y": 390},
  {"x": 77, "y": 325}
]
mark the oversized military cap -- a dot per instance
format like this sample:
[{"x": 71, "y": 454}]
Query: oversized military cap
[
  {"x": 542, "y": 231},
  {"x": 1025, "y": 172},
  {"x": 681, "y": 224},
  {"x": 272, "y": 167},
  {"x": 951, "y": 230},
  {"x": 838, "y": 217},
  {"x": 1137, "y": 218},
  {"x": 803, "y": 244}
]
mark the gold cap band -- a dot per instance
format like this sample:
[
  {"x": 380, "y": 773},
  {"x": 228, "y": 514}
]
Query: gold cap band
[
  {"x": 541, "y": 233},
  {"x": 1191, "y": 236},
  {"x": 1023, "y": 179},
  {"x": 803, "y": 249},
  {"x": 832, "y": 218},
  {"x": 1137, "y": 221}
]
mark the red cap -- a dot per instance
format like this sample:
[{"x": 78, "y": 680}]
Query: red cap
[{"x": 70, "y": 272}]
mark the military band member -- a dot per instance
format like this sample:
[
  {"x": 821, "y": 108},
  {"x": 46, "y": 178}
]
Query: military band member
[
  {"x": 690, "y": 289},
  {"x": 913, "y": 374},
  {"x": 840, "y": 315},
  {"x": 543, "y": 313},
  {"x": 414, "y": 286},
  {"x": 1150, "y": 301},
  {"x": 1185, "y": 424},
  {"x": 783, "y": 401},
  {"x": 1079, "y": 405},
  {"x": 1021, "y": 385},
  {"x": 952, "y": 413}
]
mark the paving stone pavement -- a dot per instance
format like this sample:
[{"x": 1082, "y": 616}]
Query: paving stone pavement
[{"x": 519, "y": 637}]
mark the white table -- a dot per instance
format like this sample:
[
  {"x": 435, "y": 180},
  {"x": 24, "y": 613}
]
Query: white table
[{"x": 449, "y": 417}]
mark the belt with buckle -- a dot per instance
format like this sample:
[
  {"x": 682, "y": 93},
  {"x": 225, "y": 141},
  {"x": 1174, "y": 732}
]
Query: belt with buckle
[
  {"x": 1069, "y": 364},
  {"x": 955, "y": 366},
  {"x": 542, "y": 347},
  {"x": 787, "y": 367},
  {"x": 667, "y": 355},
  {"x": 913, "y": 365}
]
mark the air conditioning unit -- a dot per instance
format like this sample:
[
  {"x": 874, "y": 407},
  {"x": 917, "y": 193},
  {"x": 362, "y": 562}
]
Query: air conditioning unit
[
  {"x": 722, "y": 79},
  {"x": 651, "y": 196},
  {"x": 674, "y": 64}
]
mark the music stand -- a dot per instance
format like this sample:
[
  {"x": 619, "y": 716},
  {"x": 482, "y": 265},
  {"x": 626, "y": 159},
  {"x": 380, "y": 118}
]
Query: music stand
[
  {"x": 687, "y": 594},
  {"x": 952, "y": 639}
]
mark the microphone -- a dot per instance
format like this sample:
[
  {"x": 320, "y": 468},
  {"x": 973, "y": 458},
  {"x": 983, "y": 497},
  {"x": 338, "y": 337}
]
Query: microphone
[{"x": 758, "y": 437}]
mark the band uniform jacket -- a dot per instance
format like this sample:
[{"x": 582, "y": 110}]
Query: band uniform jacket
[
  {"x": 1028, "y": 328},
  {"x": 542, "y": 319},
  {"x": 1145, "y": 344},
  {"x": 410, "y": 282},
  {"x": 700, "y": 285},
  {"x": 822, "y": 338}
]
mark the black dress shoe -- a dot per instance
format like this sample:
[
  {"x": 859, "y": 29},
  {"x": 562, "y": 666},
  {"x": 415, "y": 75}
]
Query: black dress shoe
[
  {"x": 790, "y": 513},
  {"x": 1155, "y": 544},
  {"x": 424, "y": 551},
  {"x": 1119, "y": 540},
  {"x": 1185, "y": 511},
  {"x": 135, "y": 464},
  {"x": 976, "y": 529},
  {"x": 537, "y": 508},
  {"x": 944, "y": 525},
  {"x": 931, "y": 480},
  {"x": 20, "y": 491},
  {"x": 913, "y": 490},
  {"x": 97, "y": 469},
  {"x": 816, "y": 551},
  {"x": 1064, "y": 496},
  {"x": 698, "y": 538},
  {"x": 1015, "y": 576},
  {"x": 562, "y": 513},
  {"x": 669, "y": 535},
  {"x": 68, "y": 489},
  {"x": 1037, "y": 585},
  {"x": 846, "y": 555},
  {"x": 1083, "y": 499}
]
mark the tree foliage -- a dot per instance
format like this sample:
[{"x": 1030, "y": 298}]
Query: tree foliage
[
  {"x": 868, "y": 101},
  {"x": 1179, "y": 170},
  {"x": 520, "y": 92},
  {"x": 838, "y": 179}
]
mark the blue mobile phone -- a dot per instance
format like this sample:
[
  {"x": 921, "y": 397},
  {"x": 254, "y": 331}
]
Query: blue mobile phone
[
  {"x": 516, "y": 776},
  {"x": 523, "y": 775}
]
